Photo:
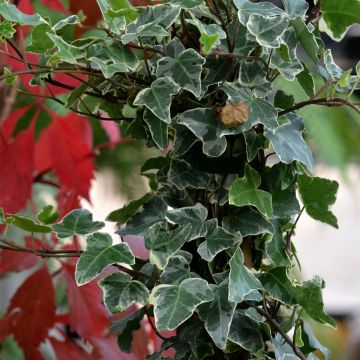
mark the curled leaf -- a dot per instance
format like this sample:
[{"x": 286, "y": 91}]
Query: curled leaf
[{"x": 232, "y": 115}]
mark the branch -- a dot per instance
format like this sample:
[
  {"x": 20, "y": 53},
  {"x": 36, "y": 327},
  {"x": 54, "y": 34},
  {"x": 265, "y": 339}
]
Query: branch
[
  {"x": 239, "y": 57},
  {"x": 321, "y": 101},
  {"x": 278, "y": 328}
]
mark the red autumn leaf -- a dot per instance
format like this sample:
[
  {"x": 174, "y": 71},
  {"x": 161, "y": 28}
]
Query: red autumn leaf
[
  {"x": 69, "y": 350},
  {"x": 4, "y": 328},
  {"x": 16, "y": 261},
  {"x": 32, "y": 312},
  {"x": 65, "y": 147},
  {"x": 87, "y": 315},
  {"x": 17, "y": 166}
]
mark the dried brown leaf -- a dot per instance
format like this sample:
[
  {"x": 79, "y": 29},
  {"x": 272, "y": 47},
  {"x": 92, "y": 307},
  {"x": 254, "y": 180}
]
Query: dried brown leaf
[{"x": 232, "y": 115}]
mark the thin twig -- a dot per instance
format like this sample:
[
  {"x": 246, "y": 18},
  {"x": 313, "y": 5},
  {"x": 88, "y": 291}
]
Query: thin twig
[
  {"x": 288, "y": 240},
  {"x": 153, "y": 326}
]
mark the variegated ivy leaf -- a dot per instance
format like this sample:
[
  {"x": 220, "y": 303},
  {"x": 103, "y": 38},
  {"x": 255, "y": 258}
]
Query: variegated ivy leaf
[
  {"x": 99, "y": 254},
  {"x": 177, "y": 270},
  {"x": 153, "y": 21},
  {"x": 236, "y": 92},
  {"x": 153, "y": 212},
  {"x": 267, "y": 30},
  {"x": 242, "y": 281},
  {"x": 6, "y": 30},
  {"x": 70, "y": 20},
  {"x": 243, "y": 40},
  {"x": 291, "y": 66},
  {"x": 306, "y": 81},
  {"x": 173, "y": 304},
  {"x": 288, "y": 142},
  {"x": 245, "y": 191},
  {"x": 203, "y": 123},
  {"x": 158, "y": 129},
  {"x": 331, "y": 67},
  {"x": 218, "y": 314},
  {"x": 66, "y": 52},
  {"x": 246, "y": 8},
  {"x": 77, "y": 222},
  {"x": 254, "y": 142},
  {"x": 318, "y": 195},
  {"x": 158, "y": 97},
  {"x": 253, "y": 75},
  {"x": 185, "y": 70},
  {"x": 187, "y": 4},
  {"x": 40, "y": 41},
  {"x": 111, "y": 57},
  {"x": 247, "y": 221},
  {"x": 120, "y": 291},
  {"x": 295, "y": 8},
  {"x": 163, "y": 243},
  {"x": 11, "y": 13},
  {"x": 193, "y": 215},
  {"x": 246, "y": 332},
  {"x": 282, "y": 349},
  {"x": 216, "y": 240}
]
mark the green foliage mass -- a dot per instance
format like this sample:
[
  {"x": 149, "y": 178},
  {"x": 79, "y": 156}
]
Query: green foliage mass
[{"x": 198, "y": 78}]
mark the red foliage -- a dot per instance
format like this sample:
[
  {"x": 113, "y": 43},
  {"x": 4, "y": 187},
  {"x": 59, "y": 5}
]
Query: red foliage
[
  {"x": 32, "y": 312},
  {"x": 87, "y": 315},
  {"x": 69, "y": 350},
  {"x": 14, "y": 261}
]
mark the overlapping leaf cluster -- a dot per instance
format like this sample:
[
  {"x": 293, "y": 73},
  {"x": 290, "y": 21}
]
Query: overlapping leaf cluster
[{"x": 220, "y": 215}]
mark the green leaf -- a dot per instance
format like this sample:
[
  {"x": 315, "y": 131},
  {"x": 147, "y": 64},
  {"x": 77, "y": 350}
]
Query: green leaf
[
  {"x": 66, "y": 52},
  {"x": 276, "y": 282},
  {"x": 339, "y": 16},
  {"x": 246, "y": 8},
  {"x": 163, "y": 244},
  {"x": 11, "y": 13},
  {"x": 70, "y": 20},
  {"x": 6, "y": 30},
  {"x": 10, "y": 350},
  {"x": 267, "y": 30},
  {"x": 218, "y": 314},
  {"x": 247, "y": 221},
  {"x": 217, "y": 240},
  {"x": 153, "y": 212},
  {"x": 282, "y": 349},
  {"x": 318, "y": 194},
  {"x": 311, "y": 341},
  {"x": 176, "y": 270},
  {"x": 334, "y": 70},
  {"x": 254, "y": 142},
  {"x": 158, "y": 129},
  {"x": 77, "y": 222},
  {"x": 75, "y": 95},
  {"x": 253, "y": 75},
  {"x": 243, "y": 41},
  {"x": 125, "y": 326},
  {"x": 245, "y": 191},
  {"x": 203, "y": 123},
  {"x": 173, "y": 304},
  {"x": 193, "y": 215},
  {"x": 100, "y": 254},
  {"x": 275, "y": 247},
  {"x": 158, "y": 97},
  {"x": 306, "y": 38},
  {"x": 285, "y": 203},
  {"x": 185, "y": 70},
  {"x": 245, "y": 332},
  {"x": 306, "y": 81},
  {"x": 309, "y": 296},
  {"x": 283, "y": 100},
  {"x": 120, "y": 291},
  {"x": 187, "y": 4},
  {"x": 122, "y": 215},
  {"x": 288, "y": 142},
  {"x": 295, "y": 8},
  {"x": 236, "y": 93},
  {"x": 9, "y": 80},
  {"x": 47, "y": 215},
  {"x": 242, "y": 281},
  {"x": 27, "y": 224}
]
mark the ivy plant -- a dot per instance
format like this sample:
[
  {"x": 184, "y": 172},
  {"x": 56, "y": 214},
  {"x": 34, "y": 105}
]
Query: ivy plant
[{"x": 195, "y": 79}]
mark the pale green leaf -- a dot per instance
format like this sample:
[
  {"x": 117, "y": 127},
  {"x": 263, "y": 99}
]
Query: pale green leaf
[
  {"x": 241, "y": 280},
  {"x": 333, "y": 70},
  {"x": 185, "y": 70},
  {"x": 267, "y": 30},
  {"x": 120, "y": 291},
  {"x": 296, "y": 8},
  {"x": 245, "y": 191},
  {"x": 11, "y": 13},
  {"x": 158, "y": 97},
  {"x": 77, "y": 222},
  {"x": 99, "y": 254},
  {"x": 27, "y": 224},
  {"x": 187, "y": 4},
  {"x": 218, "y": 314},
  {"x": 318, "y": 194},
  {"x": 6, "y": 30},
  {"x": 173, "y": 304},
  {"x": 70, "y": 20},
  {"x": 40, "y": 41},
  {"x": 288, "y": 142},
  {"x": 47, "y": 215},
  {"x": 246, "y": 8},
  {"x": 66, "y": 52},
  {"x": 283, "y": 351},
  {"x": 216, "y": 240},
  {"x": 309, "y": 296},
  {"x": 176, "y": 270}
]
